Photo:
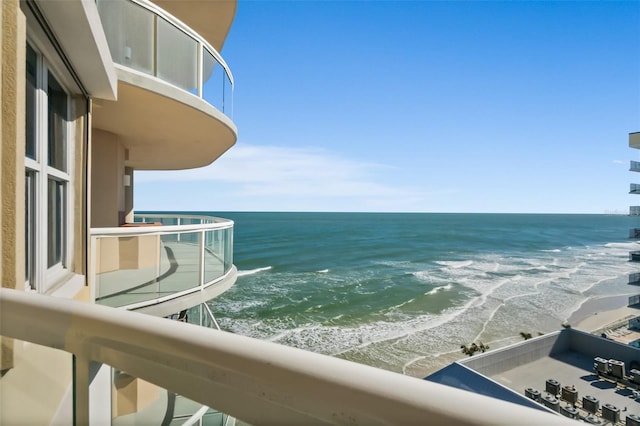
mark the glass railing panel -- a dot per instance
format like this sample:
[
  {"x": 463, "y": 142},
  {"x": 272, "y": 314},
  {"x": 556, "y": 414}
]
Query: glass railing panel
[
  {"x": 216, "y": 84},
  {"x": 189, "y": 220},
  {"x": 177, "y": 254},
  {"x": 183, "y": 252},
  {"x": 177, "y": 57},
  {"x": 228, "y": 95},
  {"x": 127, "y": 269},
  {"x": 214, "y": 418},
  {"x": 228, "y": 249},
  {"x": 635, "y": 166},
  {"x": 144, "y": 39},
  {"x": 213, "y": 81},
  {"x": 214, "y": 254},
  {"x": 136, "y": 401},
  {"x": 129, "y": 31}
]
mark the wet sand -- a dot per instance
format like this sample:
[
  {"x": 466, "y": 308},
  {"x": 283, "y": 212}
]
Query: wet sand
[{"x": 603, "y": 312}]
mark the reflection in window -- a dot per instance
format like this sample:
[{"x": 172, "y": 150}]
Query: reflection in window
[
  {"x": 55, "y": 222},
  {"x": 57, "y": 124},
  {"x": 29, "y": 202},
  {"x": 30, "y": 111}
]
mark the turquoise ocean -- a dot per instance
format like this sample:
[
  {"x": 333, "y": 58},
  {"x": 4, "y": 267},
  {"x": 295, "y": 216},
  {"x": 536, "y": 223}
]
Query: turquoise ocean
[{"x": 404, "y": 291}]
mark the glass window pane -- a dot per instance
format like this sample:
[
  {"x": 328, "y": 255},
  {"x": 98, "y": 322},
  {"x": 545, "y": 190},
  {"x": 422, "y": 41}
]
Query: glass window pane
[
  {"x": 57, "y": 124},
  {"x": 177, "y": 56},
  {"x": 129, "y": 31},
  {"x": 29, "y": 201},
  {"x": 55, "y": 221},
  {"x": 30, "y": 113}
]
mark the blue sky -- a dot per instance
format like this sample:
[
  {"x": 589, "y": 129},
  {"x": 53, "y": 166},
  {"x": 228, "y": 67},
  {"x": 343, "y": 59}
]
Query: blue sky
[{"x": 423, "y": 106}]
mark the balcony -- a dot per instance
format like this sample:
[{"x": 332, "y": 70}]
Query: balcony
[
  {"x": 162, "y": 264},
  {"x": 634, "y": 140},
  {"x": 255, "y": 381},
  {"x": 175, "y": 91},
  {"x": 634, "y": 210},
  {"x": 634, "y": 166},
  {"x": 634, "y": 188}
]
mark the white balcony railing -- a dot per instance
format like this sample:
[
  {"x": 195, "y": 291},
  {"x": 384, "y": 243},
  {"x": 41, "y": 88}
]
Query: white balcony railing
[
  {"x": 159, "y": 258},
  {"x": 143, "y": 37},
  {"x": 255, "y": 381}
]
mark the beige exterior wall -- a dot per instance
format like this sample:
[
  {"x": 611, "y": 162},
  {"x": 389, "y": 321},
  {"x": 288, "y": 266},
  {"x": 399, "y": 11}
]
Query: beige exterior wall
[
  {"x": 12, "y": 25},
  {"x": 35, "y": 383},
  {"x": 107, "y": 174}
]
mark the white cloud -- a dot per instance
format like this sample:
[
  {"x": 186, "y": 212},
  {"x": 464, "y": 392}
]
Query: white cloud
[
  {"x": 620, "y": 162},
  {"x": 273, "y": 171}
]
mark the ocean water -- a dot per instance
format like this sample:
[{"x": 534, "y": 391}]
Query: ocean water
[{"x": 404, "y": 291}]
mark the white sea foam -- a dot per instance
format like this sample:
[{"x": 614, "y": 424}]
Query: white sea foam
[
  {"x": 253, "y": 271},
  {"x": 439, "y": 289},
  {"x": 455, "y": 264},
  {"x": 507, "y": 295},
  {"x": 323, "y": 271}
]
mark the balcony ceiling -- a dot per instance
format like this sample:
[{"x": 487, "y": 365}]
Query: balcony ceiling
[
  {"x": 210, "y": 18},
  {"x": 164, "y": 128}
]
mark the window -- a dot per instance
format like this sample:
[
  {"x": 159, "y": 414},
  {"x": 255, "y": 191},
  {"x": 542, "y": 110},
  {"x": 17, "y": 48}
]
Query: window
[{"x": 48, "y": 152}]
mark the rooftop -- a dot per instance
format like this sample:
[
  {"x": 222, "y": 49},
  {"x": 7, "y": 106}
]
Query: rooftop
[{"x": 566, "y": 356}]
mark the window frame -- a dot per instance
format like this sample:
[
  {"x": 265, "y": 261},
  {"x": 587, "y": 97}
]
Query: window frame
[{"x": 40, "y": 275}]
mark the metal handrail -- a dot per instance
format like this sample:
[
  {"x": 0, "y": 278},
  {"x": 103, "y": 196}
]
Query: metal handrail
[
  {"x": 160, "y": 230},
  {"x": 256, "y": 381}
]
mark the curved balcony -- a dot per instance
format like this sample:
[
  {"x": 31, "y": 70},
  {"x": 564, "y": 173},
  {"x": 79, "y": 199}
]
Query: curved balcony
[
  {"x": 175, "y": 91},
  {"x": 162, "y": 264}
]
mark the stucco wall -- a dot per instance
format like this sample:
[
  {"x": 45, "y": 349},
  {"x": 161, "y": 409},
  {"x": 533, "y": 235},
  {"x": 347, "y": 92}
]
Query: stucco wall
[
  {"x": 12, "y": 71},
  {"x": 107, "y": 187}
]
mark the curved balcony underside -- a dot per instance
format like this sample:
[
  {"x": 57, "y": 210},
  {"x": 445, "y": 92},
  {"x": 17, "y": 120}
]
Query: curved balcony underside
[
  {"x": 210, "y": 18},
  {"x": 162, "y": 126}
]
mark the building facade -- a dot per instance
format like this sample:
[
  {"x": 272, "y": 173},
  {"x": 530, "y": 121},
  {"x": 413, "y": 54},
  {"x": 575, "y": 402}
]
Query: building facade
[{"x": 91, "y": 92}]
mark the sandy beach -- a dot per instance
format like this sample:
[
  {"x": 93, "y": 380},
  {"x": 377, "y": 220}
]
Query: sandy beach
[{"x": 603, "y": 313}]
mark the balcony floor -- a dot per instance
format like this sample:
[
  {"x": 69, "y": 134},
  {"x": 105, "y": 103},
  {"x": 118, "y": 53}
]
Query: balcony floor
[{"x": 178, "y": 271}]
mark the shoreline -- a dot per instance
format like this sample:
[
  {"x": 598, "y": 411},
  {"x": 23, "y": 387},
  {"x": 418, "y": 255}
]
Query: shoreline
[{"x": 599, "y": 313}]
